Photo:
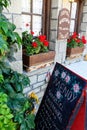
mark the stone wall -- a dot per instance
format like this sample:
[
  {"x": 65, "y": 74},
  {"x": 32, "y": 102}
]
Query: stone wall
[
  {"x": 38, "y": 81},
  {"x": 84, "y": 20},
  {"x": 58, "y": 45},
  {"x": 55, "y": 7}
]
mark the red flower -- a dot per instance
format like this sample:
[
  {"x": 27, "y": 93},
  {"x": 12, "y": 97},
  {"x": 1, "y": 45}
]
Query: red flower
[
  {"x": 34, "y": 44},
  {"x": 27, "y": 24},
  {"x": 83, "y": 37},
  {"x": 84, "y": 40},
  {"x": 32, "y": 32},
  {"x": 78, "y": 40},
  {"x": 68, "y": 40},
  {"x": 46, "y": 43},
  {"x": 74, "y": 35},
  {"x": 42, "y": 38}
]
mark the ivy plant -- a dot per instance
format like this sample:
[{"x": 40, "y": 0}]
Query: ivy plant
[
  {"x": 4, "y": 3},
  {"x": 8, "y": 37},
  {"x": 6, "y": 117},
  {"x": 12, "y": 83}
]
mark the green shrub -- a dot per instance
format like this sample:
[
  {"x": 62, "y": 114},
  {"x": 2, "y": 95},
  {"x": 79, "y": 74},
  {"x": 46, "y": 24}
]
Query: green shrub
[
  {"x": 12, "y": 83},
  {"x": 6, "y": 117}
]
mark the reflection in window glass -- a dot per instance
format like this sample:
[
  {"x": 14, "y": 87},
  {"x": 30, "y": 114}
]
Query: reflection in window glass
[
  {"x": 37, "y": 6},
  {"x": 37, "y": 24},
  {"x": 26, "y": 5},
  {"x": 26, "y": 22},
  {"x": 72, "y": 24},
  {"x": 73, "y": 10}
]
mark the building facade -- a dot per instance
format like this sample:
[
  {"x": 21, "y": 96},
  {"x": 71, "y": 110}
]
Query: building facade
[{"x": 42, "y": 16}]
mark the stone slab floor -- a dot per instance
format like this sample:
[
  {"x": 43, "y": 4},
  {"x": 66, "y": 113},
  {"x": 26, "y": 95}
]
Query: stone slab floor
[{"x": 79, "y": 68}]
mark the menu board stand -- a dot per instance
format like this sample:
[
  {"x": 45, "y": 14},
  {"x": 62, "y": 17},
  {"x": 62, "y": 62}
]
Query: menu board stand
[{"x": 63, "y": 106}]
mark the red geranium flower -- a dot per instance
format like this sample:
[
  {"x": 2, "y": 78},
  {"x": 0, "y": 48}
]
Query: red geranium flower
[
  {"x": 74, "y": 35},
  {"x": 68, "y": 40},
  {"x": 84, "y": 40},
  {"x": 46, "y": 43},
  {"x": 42, "y": 38},
  {"x": 32, "y": 32},
  {"x": 34, "y": 44},
  {"x": 83, "y": 37},
  {"x": 27, "y": 24},
  {"x": 78, "y": 40}
]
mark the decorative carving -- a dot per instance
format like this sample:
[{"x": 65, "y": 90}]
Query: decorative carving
[{"x": 64, "y": 24}]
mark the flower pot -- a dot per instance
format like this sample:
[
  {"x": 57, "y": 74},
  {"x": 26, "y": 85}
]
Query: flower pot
[
  {"x": 71, "y": 52},
  {"x": 37, "y": 59}
]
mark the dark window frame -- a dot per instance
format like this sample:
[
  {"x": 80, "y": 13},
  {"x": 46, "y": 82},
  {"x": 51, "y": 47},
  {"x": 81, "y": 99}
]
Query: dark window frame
[
  {"x": 78, "y": 17},
  {"x": 45, "y": 17}
]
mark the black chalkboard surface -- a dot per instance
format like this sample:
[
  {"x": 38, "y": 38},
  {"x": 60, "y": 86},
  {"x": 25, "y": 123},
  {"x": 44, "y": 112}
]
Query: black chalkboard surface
[{"x": 62, "y": 94}]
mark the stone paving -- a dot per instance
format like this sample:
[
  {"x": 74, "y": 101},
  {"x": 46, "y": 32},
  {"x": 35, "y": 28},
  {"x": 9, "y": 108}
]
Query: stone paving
[{"x": 80, "y": 68}]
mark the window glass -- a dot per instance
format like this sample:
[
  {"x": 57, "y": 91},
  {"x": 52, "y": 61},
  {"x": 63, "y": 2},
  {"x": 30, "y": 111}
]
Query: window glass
[
  {"x": 32, "y": 15},
  {"x": 72, "y": 25},
  {"x": 26, "y": 22},
  {"x": 36, "y": 13},
  {"x": 74, "y": 17},
  {"x": 37, "y": 24},
  {"x": 37, "y": 6},
  {"x": 73, "y": 10},
  {"x": 26, "y": 5}
]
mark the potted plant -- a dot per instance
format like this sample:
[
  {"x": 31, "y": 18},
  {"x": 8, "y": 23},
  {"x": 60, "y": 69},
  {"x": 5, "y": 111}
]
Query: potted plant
[
  {"x": 75, "y": 45},
  {"x": 35, "y": 49}
]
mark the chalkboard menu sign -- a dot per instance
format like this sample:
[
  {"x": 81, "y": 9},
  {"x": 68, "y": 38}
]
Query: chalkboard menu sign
[{"x": 60, "y": 99}]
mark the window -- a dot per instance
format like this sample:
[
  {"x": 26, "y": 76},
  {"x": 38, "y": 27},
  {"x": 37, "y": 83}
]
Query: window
[
  {"x": 35, "y": 13},
  {"x": 76, "y": 12}
]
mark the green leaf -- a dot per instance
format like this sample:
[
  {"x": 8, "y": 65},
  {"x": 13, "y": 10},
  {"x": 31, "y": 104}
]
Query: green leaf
[
  {"x": 30, "y": 121},
  {"x": 19, "y": 117},
  {"x": 3, "y": 49},
  {"x": 18, "y": 39},
  {"x": 23, "y": 126},
  {"x": 11, "y": 35},
  {"x": 8, "y": 88},
  {"x": 6, "y": 122},
  {"x": 11, "y": 27},
  {"x": 4, "y": 26},
  {"x": 37, "y": 50},
  {"x": 1, "y": 78}
]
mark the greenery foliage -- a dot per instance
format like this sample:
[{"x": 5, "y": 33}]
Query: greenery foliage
[
  {"x": 12, "y": 84},
  {"x": 6, "y": 117},
  {"x": 16, "y": 110},
  {"x": 8, "y": 36},
  {"x": 4, "y": 3}
]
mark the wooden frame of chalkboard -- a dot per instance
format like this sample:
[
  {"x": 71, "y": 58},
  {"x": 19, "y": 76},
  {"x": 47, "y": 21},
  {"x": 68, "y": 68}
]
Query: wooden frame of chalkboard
[{"x": 61, "y": 100}]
